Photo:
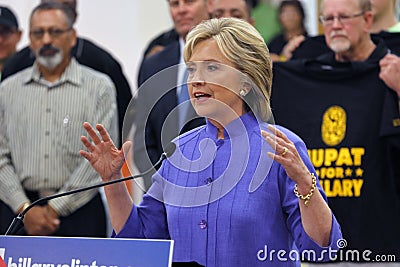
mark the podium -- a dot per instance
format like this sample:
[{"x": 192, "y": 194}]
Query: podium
[{"x": 23, "y": 251}]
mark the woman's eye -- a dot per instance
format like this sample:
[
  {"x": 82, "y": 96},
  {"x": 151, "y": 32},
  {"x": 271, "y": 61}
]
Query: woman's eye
[
  {"x": 190, "y": 70},
  {"x": 212, "y": 67}
]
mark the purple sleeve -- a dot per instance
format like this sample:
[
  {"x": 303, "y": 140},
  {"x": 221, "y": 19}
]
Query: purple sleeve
[{"x": 148, "y": 220}]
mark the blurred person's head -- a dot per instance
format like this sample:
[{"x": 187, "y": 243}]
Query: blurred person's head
[
  {"x": 188, "y": 13},
  {"x": 52, "y": 35},
  {"x": 291, "y": 15},
  {"x": 347, "y": 24},
  {"x": 384, "y": 12},
  {"x": 383, "y": 7},
  {"x": 70, "y": 3},
  {"x": 240, "y": 9},
  {"x": 10, "y": 34},
  {"x": 228, "y": 61}
]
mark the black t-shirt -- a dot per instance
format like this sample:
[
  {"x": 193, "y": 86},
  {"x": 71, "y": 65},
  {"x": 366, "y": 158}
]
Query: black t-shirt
[
  {"x": 277, "y": 43},
  {"x": 349, "y": 120}
]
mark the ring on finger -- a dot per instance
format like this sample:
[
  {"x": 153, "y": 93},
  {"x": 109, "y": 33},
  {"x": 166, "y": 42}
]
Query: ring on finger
[{"x": 285, "y": 150}]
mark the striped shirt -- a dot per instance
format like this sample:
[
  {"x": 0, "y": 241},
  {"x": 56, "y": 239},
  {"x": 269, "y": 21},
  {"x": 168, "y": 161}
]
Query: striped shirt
[{"x": 40, "y": 129}]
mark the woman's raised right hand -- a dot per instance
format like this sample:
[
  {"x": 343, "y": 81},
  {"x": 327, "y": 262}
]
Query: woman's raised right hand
[{"x": 102, "y": 154}]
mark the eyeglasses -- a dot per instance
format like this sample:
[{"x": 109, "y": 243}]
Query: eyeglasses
[
  {"x": 343, "y": 19},
  {"x": 53, "y": 32}
]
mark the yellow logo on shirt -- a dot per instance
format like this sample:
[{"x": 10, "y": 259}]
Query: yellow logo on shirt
[
  {"x": 339, "y": 169},
  {"x": 333, "y": 128}
]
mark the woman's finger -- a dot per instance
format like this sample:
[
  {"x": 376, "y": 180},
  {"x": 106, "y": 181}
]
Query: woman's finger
[
  {"x": 85, "y": 154},
  {"x": 103, "y": 133},
  {"x": 278, "y": 133},
  {"x": 92, "y": 133},
  {"x": 280, "y": 147},
  {"x": 87, "y": 143}
]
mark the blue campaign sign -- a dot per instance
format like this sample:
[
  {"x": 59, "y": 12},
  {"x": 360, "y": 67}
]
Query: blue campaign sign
[{"x": 84, "y": 252}]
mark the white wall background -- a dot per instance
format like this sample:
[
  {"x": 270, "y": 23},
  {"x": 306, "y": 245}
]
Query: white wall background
[
  {"x": 311, "y": 10},
  {"x": 123, "y": 27}
]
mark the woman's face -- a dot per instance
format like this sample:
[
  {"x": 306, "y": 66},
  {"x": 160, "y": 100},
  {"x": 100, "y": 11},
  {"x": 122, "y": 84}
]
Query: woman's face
[
  {"x": 214, "y": 84},
  {"x": 290, "y": 18}
]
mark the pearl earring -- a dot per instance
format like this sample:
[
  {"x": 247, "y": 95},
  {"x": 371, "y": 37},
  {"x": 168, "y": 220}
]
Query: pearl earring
[{"x": 242, "y": 92}]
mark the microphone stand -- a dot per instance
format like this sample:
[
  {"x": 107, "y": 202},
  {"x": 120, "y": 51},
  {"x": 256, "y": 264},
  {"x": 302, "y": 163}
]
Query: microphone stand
[{"x": 18, "y": 221}]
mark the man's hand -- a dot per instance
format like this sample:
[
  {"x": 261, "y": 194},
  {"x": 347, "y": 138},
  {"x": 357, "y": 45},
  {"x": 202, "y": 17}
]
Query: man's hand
[
  {"x": 390, "y": 72},
  {"x": 41, "y": 220}
]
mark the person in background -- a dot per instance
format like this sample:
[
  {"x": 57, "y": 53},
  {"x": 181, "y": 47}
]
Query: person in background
[
  {"x": 160, "y": 42},
  {"x": 241, "y": 9},
  {"x": 292, "y": 20},
  {"x": 155, "y": 122},
  {"x": 89, "y": 54},
  {"x": 347, "y": 26},
  {"x": 358, "y": 66},
  {"x": 218, "y": 8},
  {"x": 384, "y": 24},
  {"x": 384, "y": 16},
  {"x": 10, "y": 34},
  {"x": 266, "y": 18},
  {"x": 42, "y": 109},
  {"x": 203, "y": 196}
]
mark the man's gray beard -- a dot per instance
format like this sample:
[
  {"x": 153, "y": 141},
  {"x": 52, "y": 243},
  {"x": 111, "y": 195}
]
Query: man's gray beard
[
  {"x": 50, "y": 62},
  {"x": 340, "y": 46}
]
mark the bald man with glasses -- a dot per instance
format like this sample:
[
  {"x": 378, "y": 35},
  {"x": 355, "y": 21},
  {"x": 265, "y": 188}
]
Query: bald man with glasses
[
  {"x": 347, "y": 26},
  {"x": 348, "y": 99}
]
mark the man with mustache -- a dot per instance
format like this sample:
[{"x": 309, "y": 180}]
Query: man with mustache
[
  {"x": 347, "y": 33},
  {"x": 354, "y": 93},
  {"x": 42, "y": 109},
  {"x": 87, "y": 53},
  {"x": 347, "y": 29}
]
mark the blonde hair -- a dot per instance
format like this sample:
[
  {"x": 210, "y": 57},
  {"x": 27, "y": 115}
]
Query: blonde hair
[{"x": 242, "y": 45}]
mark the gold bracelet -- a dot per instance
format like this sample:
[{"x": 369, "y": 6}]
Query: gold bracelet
[
  {"x": 23, "y": 207},
  {"x": 282, "y": 58},
  {"x": 307, "y": 197}
]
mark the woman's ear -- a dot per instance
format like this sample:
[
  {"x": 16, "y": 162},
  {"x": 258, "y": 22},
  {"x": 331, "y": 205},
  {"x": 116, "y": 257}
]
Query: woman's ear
[
  {"x": 243, "y": 92},
  {"x": 245, "y": 88}
]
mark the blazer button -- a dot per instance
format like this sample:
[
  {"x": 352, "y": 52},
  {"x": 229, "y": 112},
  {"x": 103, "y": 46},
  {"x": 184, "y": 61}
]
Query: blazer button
[
  {"x": 203, "y": 224},
  {"x": 208, "y": 180}
]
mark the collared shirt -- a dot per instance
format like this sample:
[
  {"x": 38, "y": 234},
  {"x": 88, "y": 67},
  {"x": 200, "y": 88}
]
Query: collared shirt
[
  {"x": 41, "y": 125},
  {"x": 224, "y": 202},
  {"x": 395, "y": 28}
]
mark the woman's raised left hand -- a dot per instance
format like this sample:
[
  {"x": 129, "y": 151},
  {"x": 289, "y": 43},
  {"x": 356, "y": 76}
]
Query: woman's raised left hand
[{"x": 287, "y": 155}]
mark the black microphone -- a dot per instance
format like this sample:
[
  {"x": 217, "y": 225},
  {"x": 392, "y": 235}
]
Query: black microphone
[{"x": 18, "y": 221}]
